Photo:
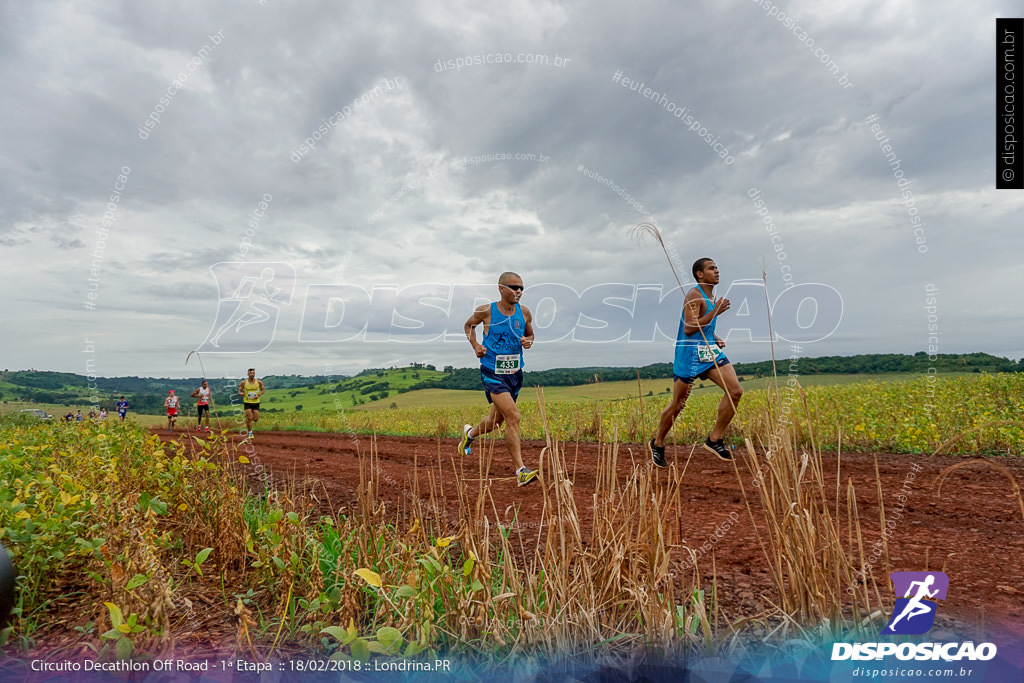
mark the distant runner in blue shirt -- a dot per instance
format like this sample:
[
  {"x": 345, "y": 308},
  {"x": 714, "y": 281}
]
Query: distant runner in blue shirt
[
  {"x": 698, "y": 355},
  {"x": 122, "y": 408},
  {"x": 508, "y": 329}
]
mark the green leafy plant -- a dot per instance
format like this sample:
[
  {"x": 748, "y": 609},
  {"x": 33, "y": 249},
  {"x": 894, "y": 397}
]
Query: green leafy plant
[
  {"x": 196, "y": 563},
  {"x": 122, "y": 631}
]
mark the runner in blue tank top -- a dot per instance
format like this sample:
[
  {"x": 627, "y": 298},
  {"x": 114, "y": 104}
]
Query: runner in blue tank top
[
  {"x": 508, "y": 329},
  {"x": 698, "y": 355}
]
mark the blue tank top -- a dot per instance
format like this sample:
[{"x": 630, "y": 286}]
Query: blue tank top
[
  {"x": 694, "y": 355},
  {"x": 502, "y": 339}
]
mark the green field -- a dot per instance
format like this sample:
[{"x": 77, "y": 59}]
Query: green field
[
  {"x": 372, "y": 386},
  {"x": 377, "y": 388},
  {"x": 346, "y": 395},
  {"x": 380, "y": 387},
  {"x": 608, "y": 391},
  {"x": 975, "y": 413}
]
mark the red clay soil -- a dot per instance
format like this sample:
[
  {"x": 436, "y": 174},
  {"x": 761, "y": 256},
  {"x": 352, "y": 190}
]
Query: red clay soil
[{"x": 973, "y": 530}]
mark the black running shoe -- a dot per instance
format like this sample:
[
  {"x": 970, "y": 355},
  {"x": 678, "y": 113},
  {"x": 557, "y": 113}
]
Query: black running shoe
[
  {"x": 657, "y": 454},
  {"x": 718, "y": 448}
]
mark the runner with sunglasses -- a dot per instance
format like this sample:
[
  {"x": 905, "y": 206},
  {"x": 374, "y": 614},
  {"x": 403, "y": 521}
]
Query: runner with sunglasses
[{"x": 508, "y": 329}]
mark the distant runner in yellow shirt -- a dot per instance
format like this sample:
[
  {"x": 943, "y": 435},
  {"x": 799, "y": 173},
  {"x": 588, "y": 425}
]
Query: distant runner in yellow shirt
[{"x": 250, "y": 390}]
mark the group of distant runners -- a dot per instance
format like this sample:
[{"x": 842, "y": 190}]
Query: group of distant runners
[
  {"x": 204, "y": 399},
  {"x": 122, "y": 412},
  {"x": 250, "y": 389},
  {"x": 508, "y": 330}
]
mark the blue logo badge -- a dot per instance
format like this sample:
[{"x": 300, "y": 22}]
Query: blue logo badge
[{"x": 914, "y": 612}]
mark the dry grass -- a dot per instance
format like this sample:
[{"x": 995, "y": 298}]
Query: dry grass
[
  {"x": 281, "y": 573},
  {"x": 544, "y": 590},
  {"x": 811, "y": 560}
]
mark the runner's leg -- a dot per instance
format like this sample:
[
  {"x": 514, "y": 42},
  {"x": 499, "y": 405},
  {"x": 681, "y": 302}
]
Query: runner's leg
[
  {"x": 491, "y": 421},
  {"x": 504, "y": 403},
  {"x": 725, "y": 377},
  {"x": 680, "y": 392}
]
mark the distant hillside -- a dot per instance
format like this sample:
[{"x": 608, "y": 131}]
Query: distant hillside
[
  {"x": 871, "y": 364},
  {"x": 375, "y": 384},
  {"x": 877, "y": 363},
  {"x": 144, "y": 394},
  {"x": 296, "y": 392},
  {"x": 469, "y": 378}
]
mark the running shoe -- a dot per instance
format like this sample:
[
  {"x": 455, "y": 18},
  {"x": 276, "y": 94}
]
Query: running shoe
[
  {"x": 524, "y": 476},
  {"x": 718, "y": 448},
  {"x": 250, "y": 434},
  {"x": 657, "y": 454},
  {"x": 465, "y": 446},
  {"x": 206, "y": 429}
]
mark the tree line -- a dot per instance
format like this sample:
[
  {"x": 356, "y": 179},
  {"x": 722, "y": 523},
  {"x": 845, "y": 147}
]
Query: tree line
[
  {"x": 867, "y": 364},
  {"x": 146, "y": 395}
]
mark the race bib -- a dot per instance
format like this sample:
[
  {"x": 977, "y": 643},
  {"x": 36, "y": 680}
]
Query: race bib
[
  {"x": 506, "y": 364},
  {"x": 707, "y": 353},
  {"x": 252, "y": 394}
]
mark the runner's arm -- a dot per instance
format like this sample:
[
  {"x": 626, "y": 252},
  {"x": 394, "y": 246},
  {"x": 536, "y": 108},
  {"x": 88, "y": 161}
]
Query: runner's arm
[
  {"x": 694, "y": 315},
  {"x": 527, "y": 339},
  {"x": 693, "y": 319},
  {"x": 263, "y": 389},
  {"x": 481, "y": 315}
]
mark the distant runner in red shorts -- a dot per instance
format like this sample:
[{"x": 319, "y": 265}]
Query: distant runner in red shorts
[{"x": 171, "y": 403}]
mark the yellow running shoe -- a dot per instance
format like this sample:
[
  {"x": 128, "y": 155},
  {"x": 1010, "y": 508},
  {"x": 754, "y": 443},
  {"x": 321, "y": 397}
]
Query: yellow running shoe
[
  {"x": 524, "y": 476},
  {"x": 465, "y": 446}
]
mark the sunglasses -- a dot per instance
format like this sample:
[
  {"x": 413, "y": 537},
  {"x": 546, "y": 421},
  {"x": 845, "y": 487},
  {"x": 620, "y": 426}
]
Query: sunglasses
[{"x": 514, "y": 288}]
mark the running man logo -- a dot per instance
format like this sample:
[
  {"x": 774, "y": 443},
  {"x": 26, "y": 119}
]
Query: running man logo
[
  {"x": 250, "y": 296},
  {"x": 914, "y": 613}
]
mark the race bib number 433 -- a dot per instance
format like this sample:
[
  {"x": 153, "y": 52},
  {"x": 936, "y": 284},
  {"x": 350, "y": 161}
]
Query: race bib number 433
[{"x": 506, "y": 364}]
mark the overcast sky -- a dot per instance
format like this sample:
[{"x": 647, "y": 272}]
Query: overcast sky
[{"x": 396, "y": 96}]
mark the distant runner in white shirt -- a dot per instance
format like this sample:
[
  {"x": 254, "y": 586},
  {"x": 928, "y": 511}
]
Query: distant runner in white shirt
[
  {"x": 171, "y": 403},
  {"x": 204, "y": 399}
]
